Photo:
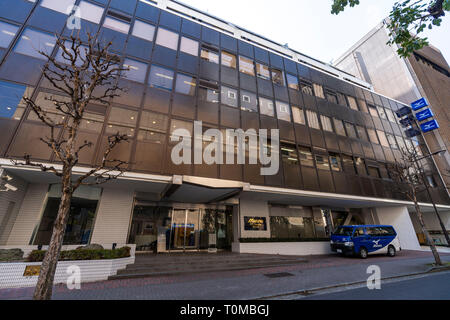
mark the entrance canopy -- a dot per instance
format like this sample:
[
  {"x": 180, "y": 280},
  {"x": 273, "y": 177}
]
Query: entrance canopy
[{"x": 189, "y": 189}]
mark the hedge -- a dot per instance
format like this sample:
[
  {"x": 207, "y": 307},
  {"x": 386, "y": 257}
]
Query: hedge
[
  {"x": 69, "y": 255},
  {"x": 255, "y": 240}
]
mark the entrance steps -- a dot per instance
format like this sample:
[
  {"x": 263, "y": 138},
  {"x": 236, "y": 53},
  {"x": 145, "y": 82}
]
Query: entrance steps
[{"x": 170, "y": 264}]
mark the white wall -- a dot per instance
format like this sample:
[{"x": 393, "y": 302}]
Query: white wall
[
  {"x": 284, "y": 248},
  {"x": 399, "y": 218},
  {"x": 15, "y": 197},
  {"x": 253, "y": 208},
  {"x": 29, "y": 214},
  {"x": 113, "y": 216}
]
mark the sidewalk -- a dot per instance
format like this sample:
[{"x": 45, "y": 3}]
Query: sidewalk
[{"x": 316, "y": 272}]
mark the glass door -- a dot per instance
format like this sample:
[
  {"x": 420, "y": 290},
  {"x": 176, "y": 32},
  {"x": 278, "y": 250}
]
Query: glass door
[{"x": 178, "y": 229}]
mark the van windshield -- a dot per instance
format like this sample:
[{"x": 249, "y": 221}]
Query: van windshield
[{"x": 344, "y": 231}]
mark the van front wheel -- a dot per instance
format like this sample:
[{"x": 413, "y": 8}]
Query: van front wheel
[
  {"x": 391, "y": 251},
  {"x": 363, "y": 253}
]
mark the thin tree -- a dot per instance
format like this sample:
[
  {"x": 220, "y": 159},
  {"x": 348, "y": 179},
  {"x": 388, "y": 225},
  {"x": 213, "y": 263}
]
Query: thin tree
[
  {"x": 87, "y": 73},
  {"x": 409, "y": 181}
]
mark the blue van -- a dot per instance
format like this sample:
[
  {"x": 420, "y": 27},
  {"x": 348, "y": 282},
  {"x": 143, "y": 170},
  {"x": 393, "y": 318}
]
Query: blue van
[{"x": 363, "y": 240}]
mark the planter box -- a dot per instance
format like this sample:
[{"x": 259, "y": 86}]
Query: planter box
[{"x": 11, "y": 274}]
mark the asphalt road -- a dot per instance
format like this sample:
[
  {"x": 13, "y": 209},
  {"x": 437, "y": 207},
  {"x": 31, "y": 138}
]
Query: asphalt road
[{"x": 435, "y": 286}]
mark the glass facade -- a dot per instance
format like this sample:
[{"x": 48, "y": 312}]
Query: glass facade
[{"x": 170, "y": 59}]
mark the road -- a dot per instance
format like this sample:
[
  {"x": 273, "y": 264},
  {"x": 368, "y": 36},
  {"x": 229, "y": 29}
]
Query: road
[{"x": 434, "y": 286}]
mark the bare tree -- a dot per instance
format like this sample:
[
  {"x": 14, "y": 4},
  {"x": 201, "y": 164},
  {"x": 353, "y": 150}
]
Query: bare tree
[
  {"x": 87, "y": 73},
  {"x": 410, "y": 181}
]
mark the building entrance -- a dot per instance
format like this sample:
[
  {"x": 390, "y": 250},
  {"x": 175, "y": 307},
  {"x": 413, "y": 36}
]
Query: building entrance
[{"x": 166, "y": 228}]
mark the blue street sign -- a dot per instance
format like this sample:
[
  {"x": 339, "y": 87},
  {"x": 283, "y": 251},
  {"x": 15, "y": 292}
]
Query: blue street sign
[
  {"x": 429, "y": 126},
  {"x": 403, "y": 112},
  {"x": 411, "y": 133},
  {"x": 424, "y": 114},
  {"x": 419, "y": 104}
]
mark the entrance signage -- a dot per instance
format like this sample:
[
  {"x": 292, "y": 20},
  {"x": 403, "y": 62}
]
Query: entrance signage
[
  {"x": 255, "y": 223},
  {"x": 424, "y": 114},
  {"x": 419, "y": 104},
  {"x": 429, "y": 126}
]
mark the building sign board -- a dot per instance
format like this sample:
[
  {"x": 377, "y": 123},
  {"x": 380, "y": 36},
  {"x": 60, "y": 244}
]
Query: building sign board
[
  {"x": 419, "y": 104},
  {"x": 424, "y": 114},
  {"x": 429, "y": 126},
  {"x": 255, "y": 223}
]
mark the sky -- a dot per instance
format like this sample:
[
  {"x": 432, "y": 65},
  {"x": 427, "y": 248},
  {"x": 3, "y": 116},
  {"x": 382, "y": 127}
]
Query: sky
[{"x": 308, "y": 25}]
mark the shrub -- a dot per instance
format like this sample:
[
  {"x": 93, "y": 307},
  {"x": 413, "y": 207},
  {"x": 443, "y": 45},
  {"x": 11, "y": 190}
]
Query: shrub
[
  {"x": 70, "y": 255},
  {"x": 11, "y": 254}
]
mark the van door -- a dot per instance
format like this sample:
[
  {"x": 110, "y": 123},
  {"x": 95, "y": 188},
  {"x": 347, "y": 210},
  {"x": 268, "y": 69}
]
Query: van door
[
  {"x": 360, "y": 239},
  {"x": 377, "y": 243}
]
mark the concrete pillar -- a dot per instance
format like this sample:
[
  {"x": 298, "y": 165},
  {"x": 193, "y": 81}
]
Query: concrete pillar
[
  {"x": 399, "y": 218},
  {"x": 249, "y": 207},
  {"x": 113, "y": 217}
]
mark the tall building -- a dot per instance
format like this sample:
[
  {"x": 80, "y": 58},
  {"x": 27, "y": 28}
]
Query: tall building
[
  {"x": 337, "y": 137},
  {"x": 424, "y": 74}
]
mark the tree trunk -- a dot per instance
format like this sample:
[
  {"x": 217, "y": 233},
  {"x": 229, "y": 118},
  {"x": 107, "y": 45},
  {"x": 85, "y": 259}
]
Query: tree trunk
[
  {"x": 437, "y": 258},
  {"x": 44, "y": 285}
]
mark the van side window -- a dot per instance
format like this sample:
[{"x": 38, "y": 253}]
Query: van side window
[
  {"x": 358, "y": 232},
  {"x": 372, "y": 231},
  {"x": 387, "y": 231}
]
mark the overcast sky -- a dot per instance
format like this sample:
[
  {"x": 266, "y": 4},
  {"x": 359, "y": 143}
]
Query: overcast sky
[{"x": 308, "y": 26}]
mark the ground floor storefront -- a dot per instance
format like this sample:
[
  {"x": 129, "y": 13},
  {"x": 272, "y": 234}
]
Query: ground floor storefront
[{"x": 164, "y": 214}]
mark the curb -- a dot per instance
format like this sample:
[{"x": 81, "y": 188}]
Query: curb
[{"x": 311, "y": 291}]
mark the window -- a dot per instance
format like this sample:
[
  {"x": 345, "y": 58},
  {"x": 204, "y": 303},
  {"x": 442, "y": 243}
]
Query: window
[
  {"x": 361, "y": 166},
  {"x": 331, "y": 96},
  {"x": 7, "y": 33},
  {"x": 136, "y": 72},
  {"x": 373, "y": 136},
  {"x": 313, "y": 121},
  {"x": 229, "y": 60},
  {"x": 186, "y": 84},
  {"x": 48, "y": 106},
  {"x": 318, "y": 90},
  {"x": 61, "y": 56},
  {"x": 116, "y": 25},
  {"x": 179, "y": 124},
  {"x": 339, "y": 126},
  {"x": 11, "y": 104},
  {"x": 246, "y": 66},
  {"x": 401, "y": 144},
  {"x": 143, "y": 30},
  {"x": 208, "y": 94},
  {"x": 209, "y": 54},
  {"x": 431, "y": 182},
  {"x": 326, "y": 123},
  {"x": 374, "y": 172},
  {"x": 352, "y": 103},
  {"x": 349, "y": 164},
  {"x": 306, "y": 157},
  {"x": 391, "y": 140},
  {"x": 362, "y": 134},
  {"x": 382, "y": 113},
  {"x": 167, "y": 39},
  {"x": 277, "y": 76},
  {"x": 229, "y": 96},
  {"x": 248, "y": 101},
  {"x": 91, "y": 12},
  {"x": 350, "y": 130},
  {"x": 335, "y": 162},
  {"x": 262, "y": 71},
  {"x": 383, "y": 139},
  {"x": 289, "y": 154},
  {"x": 390, "y": 115},
  {"x": 373, "y": 111},
  {"x": 58, "y": 5},
  {"x": 33, "y": 41},
  {"x": 122, "y": 121},
  {"x": 266, "y": 107},
  {"x": 341, "y": 99},
  {"x": 283, "y": 112},
  {"x": 292, "y": 81},
  {"x": 362, "y": 104},
  {"x": 307, "y": 88},
  {"x": 322, "y": 161},
  {"x": 151, "y": 126},
  {"x": 161, "y": 78},
  {"x": 92, "y": 122},
  {"x": 298, "y": 115}
]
